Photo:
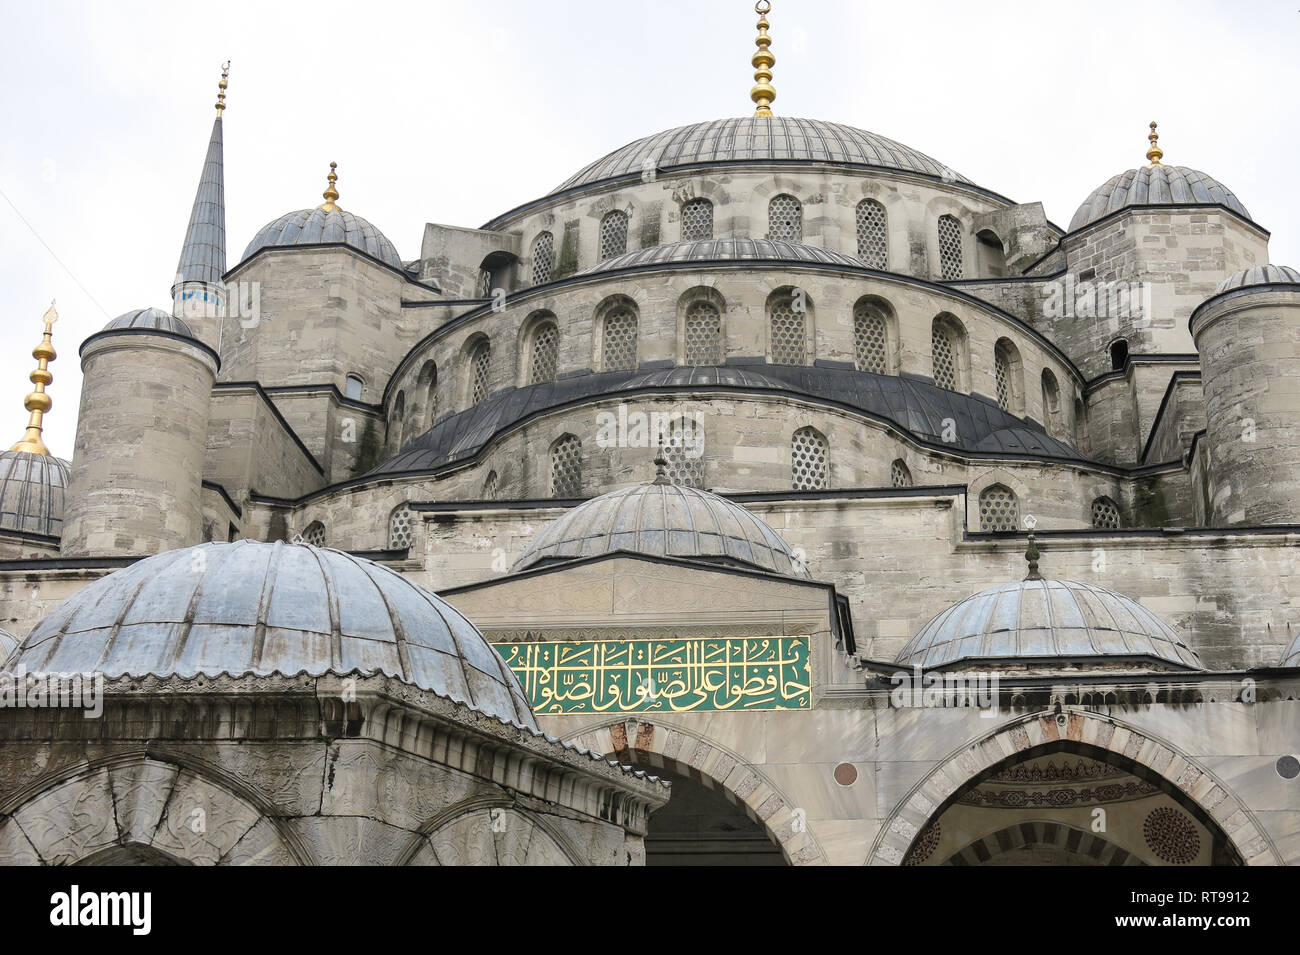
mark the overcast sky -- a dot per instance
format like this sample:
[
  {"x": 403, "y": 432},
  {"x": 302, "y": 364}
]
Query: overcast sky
[{"x": 454, "y": 112}]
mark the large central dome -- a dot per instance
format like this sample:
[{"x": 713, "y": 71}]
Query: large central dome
[{"x": 758, "y": 139}]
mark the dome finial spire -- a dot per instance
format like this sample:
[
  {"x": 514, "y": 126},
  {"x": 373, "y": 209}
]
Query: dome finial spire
[
  {"x": 661, "y": 463},
  {"x": 221, "y": 88},
  {"x": 38, "y": 402},
  {"x": 1031, "y": 551},
  {"x": 763, "y": 92},
  {"x": 1155, "y": 152},
  {"x": 331, "y": 193}
]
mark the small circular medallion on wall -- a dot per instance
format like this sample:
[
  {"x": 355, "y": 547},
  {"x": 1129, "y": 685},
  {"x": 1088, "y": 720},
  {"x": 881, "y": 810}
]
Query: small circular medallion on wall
[
  {"x": 846, "y": 774},
  {"x": 1288, "y": 767},
  {"x": 1171, "y": 836}
]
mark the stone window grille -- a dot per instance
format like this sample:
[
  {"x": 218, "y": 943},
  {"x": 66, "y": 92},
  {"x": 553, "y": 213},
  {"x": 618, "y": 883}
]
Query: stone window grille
[
  {"x": 490, "y": 487},
  {"x": 566, "y": 467},
  {"x": 950, "y": 264},
  {"x": 479, "y": 372},
  {"x": 873, "y": 236},
  {"x": 703, "y": 334},
  {"x": 787, "y": 331},
  {"x": 683, "y": 450},
  {"x": 999, "y": 509},
  {"x": 543, "y": 258},
  {"x": 870, "y": 348},
  {"x": 808, "y": 460},
  {"x": 944, "y": 354},
  {"x": 899, "y": 475},
  {"x": 620, "y": 340},
  {"x": 1105, "y": 514},
  {"x": 546, "y": 339},
  {"x": 613, "y": 234},
  {"x": 314, "y": 534},
  {"x": 785, "y": 218},
  {"x": 400, "y": 528},
  {"x": 1002, "y": 371},
  {"x": 697, "y": 220}
]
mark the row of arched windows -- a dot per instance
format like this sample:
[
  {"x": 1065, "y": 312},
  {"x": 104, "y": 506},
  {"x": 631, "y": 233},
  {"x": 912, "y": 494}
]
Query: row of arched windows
[{"x": 999, "y": 510}]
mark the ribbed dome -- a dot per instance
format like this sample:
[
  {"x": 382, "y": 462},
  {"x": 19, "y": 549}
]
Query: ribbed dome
[
  {"x": 150, "y": 319},
  {"x": 1039, "y": 621},
  {"x": 8, "y": 644},
  {"x": 1155, "y": 186},
  {"x": 663, "y": 520},
  {"x": 758, "y": 139},
  {"x": 253, "y": 607},
  {"x": 724, "y": 250},
  {"x": 32, "y": 488},
  {"x": 318, "y": 227},
  {"x": 1260, "y": 275},
  {"x": 1291, "y": 655}
]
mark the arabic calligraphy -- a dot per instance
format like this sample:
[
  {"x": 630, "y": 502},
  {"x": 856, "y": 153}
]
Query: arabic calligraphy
[{"x": 629, "y": 676}]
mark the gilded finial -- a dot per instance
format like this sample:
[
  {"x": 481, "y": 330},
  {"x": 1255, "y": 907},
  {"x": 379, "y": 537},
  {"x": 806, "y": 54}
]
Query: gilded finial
[
  {"x": 1155, "y": 152},
  {"x": 38, "y": 402},
  {"x": 221, "y": 87},
  {"x": 763, "y": 92},
  {"x": 331, "y": 192},
  {"x": 661, "y": 464},
  {"x": 1031, "y": 551}
]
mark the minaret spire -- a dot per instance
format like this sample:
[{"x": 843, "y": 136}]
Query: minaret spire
[
  {"x": 38, "y": 402},
  {"x": 1155, "y": 153},
  {"x": 763, "y": 92},
  {"x": 198, "y": 289}
]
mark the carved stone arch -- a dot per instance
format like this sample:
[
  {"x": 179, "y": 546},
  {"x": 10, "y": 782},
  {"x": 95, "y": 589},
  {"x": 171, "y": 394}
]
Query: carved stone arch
[
  {"x": 463, "y": 834},
  {"x": 607, "y": 306},
  {"x": 986, "y": 479},
  {"x": 1043, "y": 833},
  {"x": 524, "y": 342},
  {"x": 705, "y": 292},
  {"x": 873, "y": 305},
  {"x": 681, "y": 751},
  {"x": 469, "y": 353},
  {"x": 778, "y": 294},
  {"x": 1194, "y": 786},
  {"x": 185, "y": 810},
  {"x": 936, "y": 209}
]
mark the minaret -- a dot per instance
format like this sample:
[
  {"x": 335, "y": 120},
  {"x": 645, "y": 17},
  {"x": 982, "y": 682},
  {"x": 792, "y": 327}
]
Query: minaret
[
  {"x": 199, "y": 295},
  {"x": 38, "y": 402}
]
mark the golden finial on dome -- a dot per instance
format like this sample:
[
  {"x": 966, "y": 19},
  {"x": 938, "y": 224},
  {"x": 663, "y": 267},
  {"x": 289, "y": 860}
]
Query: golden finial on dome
[
  {"x": 331, "y": 192},
  {"x": 38, "y": 402},
  {"x": 1155, "y": 152},
  {"x": 221, "y": 87},
  {"x": 763, "y": 92}
]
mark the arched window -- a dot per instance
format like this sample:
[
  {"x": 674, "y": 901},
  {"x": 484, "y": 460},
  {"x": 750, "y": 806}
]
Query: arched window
[
  {"x": 429, "y": 378},
  {"x": 871, "y": 336},
  {"x": 566, "y": 467},
  {"x": 1009, "y": 374},
  {"x": 400, "y": 528},
  {"x": 873, "y": 234},
  {"x": 999, "y": 509},
  {"x": 1118, "y": 354},
  {"x": 809, "y": 453},
  {"x": 1105, "y": 513},
  {"x": 785, "y": 218},
  {"x": 613, "y": 234},
  {"x": 399, "y": 417},
  {"x": 490, "y": 487},
  {"x": 484, "y": 283},
  {"x": 697, "y": 220},
  {"x": 1051, "y": 402},
  {"x": 703, "y": 333},
  {"x": 948, "y": 352},
  {"x": 314, "y": 534},
  {"x": 619, "y": 339},
  {"x": 543, "y": 258},
  {"x": 787, "y": 328},
  {"x": 479, "y": 363},
  {"x": 950, "y": 258},
  {"x": 352, "y": 387},
  {"x": 544, "y": 344},
  {"x": 684, "y": 452},
  {"x": 1080, "y": 426},
  {"x": 899, "y": 475}
]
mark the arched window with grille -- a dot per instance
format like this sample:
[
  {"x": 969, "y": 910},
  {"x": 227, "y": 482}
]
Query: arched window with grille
[
  {"x": 703, "y": 333},
  {"x": 1105, "y": 514},
  {"x": 899, "y": 474},
  {"x": 871, "y": 336},
  {"x": 479, "y": 363},
  {"x": 697, "y": 220},
  {"x": 684, "y": 452},
  {"x": 785, "y": 218},
  {"x": 619, "y": 338},
  {"x": 543, "y": 348},
  {"x": 490, "y": 487},
  {"x": 809, "y": 460},
  {"x": 873, "y": 234},
  {"x": 566, "y": 467},
  {"x": 543, "y": 258},
  {"x": 1051, "y": 402},
  {"x": 950, "y": 254},
  {"x": 1009, "y": 374},
  {"x": 999, "y": 509},
  {"x": 314, "y": 534},
  {"x": 613, "y": 234},
  {"x": 948, "y": 352},
  {"x": 787, "y": 313},
  {"x": 401, "y": 527}
]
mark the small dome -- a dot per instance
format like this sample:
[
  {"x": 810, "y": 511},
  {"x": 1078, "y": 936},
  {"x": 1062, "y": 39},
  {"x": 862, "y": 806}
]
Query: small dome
[
  {"x": 254, "y": 607},
  {"x": 1155, "y": 186},
  {"x": 321, "y": 227},
  {"x": 1040, "y": 621},
  {"x": 32, "y": 488},
  {"x": 1260, "y": 275},
  {"x": 724, "y": 250},
  {"x": 663, "y": 520},
  {"x": 8, "y": 644},
  {"x": 151, "y": 319}
]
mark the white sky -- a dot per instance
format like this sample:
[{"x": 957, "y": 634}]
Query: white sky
[{"x": 456, "y": 111}]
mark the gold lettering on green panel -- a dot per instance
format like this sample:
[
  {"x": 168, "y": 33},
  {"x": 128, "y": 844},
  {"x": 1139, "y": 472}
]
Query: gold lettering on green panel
[{"x": 634, "y": 676}]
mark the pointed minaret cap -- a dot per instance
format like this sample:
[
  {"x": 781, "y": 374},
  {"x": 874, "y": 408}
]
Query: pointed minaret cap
[
  {"x": 1155, "y": 153},
  {"x": 763, "y": 92},
  {"x": 203, "y": 253},
  {"x": 38, "y": 402},
  {"x": 331, "y": 193}
]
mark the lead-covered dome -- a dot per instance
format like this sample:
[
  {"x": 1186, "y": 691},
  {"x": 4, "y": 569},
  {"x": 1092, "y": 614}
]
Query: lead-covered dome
[
  {"x": 1155, "y": 186},
  {"x": 1260, "y": 275},
  {"x": 1044, "y": 622},
  {"x": 758, "y": 139},
  {"x": 325, "y": 227},
  {"x": 32, "y": 492},
  {"x": 8, "y": 644},
  {"x": 151, "y": 320},
  {"x": 663, "y": 520},
  {"x": 724, "y": 250},
  {"x": 250, "y": 607}
]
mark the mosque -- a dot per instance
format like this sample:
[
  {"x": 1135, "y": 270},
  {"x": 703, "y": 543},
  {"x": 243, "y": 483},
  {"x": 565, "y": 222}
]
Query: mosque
[{"x": 765, "y": 493}]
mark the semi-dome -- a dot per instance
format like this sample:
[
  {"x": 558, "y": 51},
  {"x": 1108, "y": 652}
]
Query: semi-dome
[
  {"x": 724, "y": 250},
  {"x": 1260, "y": 275},
  {"x": 253, "y": 607},
  {"x": 757, "y": 140},
  {"x": 32, "y": 491},
  {"x": 663, "y": 520},
  {"x": 149, "y": 319},
  {"x": 1155, "y": 186},
  {"x": 1039, "y": 622},
  {"x": 325, "y": 227}
]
